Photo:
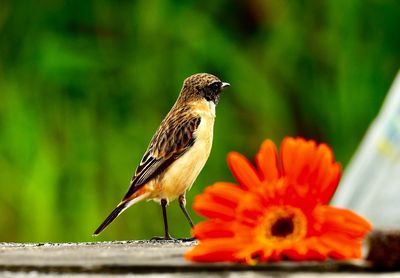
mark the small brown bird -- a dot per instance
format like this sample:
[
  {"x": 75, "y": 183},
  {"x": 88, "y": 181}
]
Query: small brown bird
[{"x": 178, "y": 150}]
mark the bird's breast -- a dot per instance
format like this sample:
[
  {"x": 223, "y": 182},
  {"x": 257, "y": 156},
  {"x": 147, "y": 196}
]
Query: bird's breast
[{"x": 180, "y": 176}]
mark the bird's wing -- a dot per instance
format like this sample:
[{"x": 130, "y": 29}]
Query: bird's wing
[{"x": 174, "y": 137}]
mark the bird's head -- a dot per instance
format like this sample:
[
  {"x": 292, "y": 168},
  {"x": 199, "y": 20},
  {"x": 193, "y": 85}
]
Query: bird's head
[{"x": 203, "y": 85}]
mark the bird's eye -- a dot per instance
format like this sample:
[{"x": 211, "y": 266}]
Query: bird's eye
[{"x": 215, "y": 86}]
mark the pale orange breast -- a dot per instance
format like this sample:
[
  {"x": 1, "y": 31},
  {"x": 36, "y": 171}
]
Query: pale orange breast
[{"x": 180, "y": 176}]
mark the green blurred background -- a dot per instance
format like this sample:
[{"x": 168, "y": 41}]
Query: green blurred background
[{"x": 84, "y": 85}]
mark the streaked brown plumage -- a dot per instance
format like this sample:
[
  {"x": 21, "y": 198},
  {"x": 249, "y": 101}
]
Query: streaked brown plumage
[{"x": 178, "y": 150}]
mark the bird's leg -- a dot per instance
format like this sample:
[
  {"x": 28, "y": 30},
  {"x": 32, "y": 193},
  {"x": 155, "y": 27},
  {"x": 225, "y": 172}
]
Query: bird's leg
[
  {"x": 182, "y": 204},
  {"x": 164, "y": 212}
]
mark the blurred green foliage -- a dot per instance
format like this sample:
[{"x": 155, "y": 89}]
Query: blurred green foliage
[{"x": 84, "y": 85}]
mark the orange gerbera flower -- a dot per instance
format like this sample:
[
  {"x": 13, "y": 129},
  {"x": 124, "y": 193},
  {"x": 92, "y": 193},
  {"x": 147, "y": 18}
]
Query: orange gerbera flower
[{"x": 279, "y": 211}]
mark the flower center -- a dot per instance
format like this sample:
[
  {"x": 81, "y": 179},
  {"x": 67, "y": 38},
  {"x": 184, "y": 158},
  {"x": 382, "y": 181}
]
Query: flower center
[
  {"x": 283, "y": 227},
  {"x": 283, "y": 223}
]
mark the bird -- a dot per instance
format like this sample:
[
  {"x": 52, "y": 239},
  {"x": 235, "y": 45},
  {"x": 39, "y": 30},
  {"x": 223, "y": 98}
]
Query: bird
[{"x": 177, "y": 152}]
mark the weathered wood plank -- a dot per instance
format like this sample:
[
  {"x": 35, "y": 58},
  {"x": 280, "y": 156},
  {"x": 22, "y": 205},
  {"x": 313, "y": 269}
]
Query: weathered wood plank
[{"x": 142, "y": 257}]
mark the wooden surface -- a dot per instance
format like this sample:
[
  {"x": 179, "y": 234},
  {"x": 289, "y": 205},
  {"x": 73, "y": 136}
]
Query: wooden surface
[{"x": 150, "y": 259}]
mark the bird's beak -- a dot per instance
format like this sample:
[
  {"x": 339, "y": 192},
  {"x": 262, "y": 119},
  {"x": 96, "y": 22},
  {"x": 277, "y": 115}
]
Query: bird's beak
[{"x": 225, "y": 85}]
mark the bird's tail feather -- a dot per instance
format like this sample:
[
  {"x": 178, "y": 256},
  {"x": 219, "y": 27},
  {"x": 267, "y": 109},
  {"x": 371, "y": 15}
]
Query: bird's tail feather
[{"x": 117, "y": 211}]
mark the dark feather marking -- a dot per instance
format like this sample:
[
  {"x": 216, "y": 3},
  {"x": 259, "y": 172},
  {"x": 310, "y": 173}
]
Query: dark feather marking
[{"x": 167, "y": 145}]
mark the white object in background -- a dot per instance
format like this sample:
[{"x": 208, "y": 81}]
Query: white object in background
[{"x": 371, "y": 183}]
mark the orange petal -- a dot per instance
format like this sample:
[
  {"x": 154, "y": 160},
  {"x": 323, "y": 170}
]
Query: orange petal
[
  {"x": 300, "y": 171},
  {"x": 313, "y": 243},
  {"x": 302, "y": 155},
  {"x": 289, "y": 148},
  {"x": 228, "y": 194},
  {"x": 265, "y": 254},
  {"x": 206, "y": 206},
  {"x": 303, "y": 167},
  {"x": 244, "y": 171},
  {"x": 253, "y": 250},
  {"x": 342, "y": 221},
  {"x": 215, "y": 250},
  {"x": 327, "y": 171},
  {"x": 341, "y": 247},
  {"x": 250, "y": 208},
  {"x": 311, "y": 169},
  {"x": 267, "y": 161},
  {"x": 296, "y": 155},
  {"x": 214, "y": 228},
  {"x": 299, "y": 253},
  {"x": 330, "y": 184}
]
